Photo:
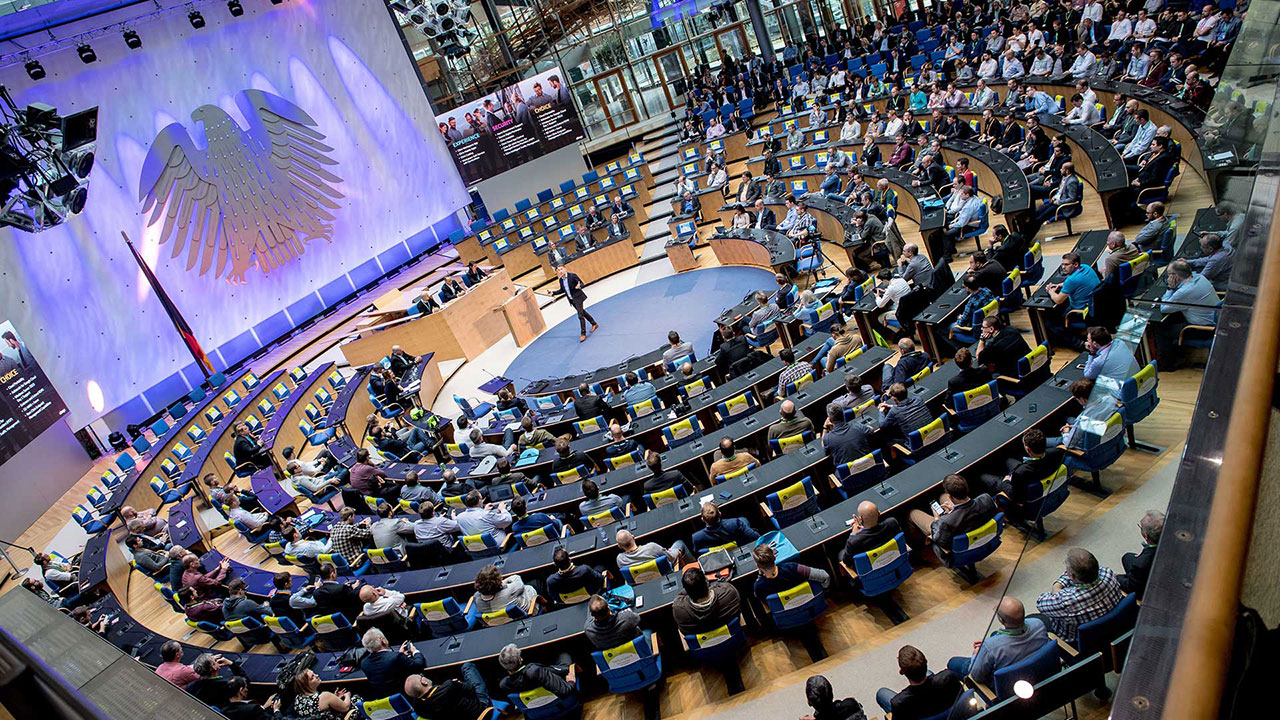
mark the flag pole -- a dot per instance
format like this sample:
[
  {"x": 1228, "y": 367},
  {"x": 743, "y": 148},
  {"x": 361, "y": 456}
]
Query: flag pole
[{"x": 179, "y": 323}]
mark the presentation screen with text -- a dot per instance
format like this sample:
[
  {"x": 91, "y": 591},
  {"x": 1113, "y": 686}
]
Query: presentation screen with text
[
  {"x": 28, "y": 402},
  {"x": 510, "y": 127}
]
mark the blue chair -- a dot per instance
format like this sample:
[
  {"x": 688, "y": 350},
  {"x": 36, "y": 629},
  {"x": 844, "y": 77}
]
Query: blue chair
[
  {"x": 214, "y": 630},
  {"x": 160, "y": 427},
  {"x": 734, "y": 474},
  {"x": 720, "y": 648},
  {"x": 926, "y": 440},
  {"x": 1138, "y": 398},
  {"x": 472, "y": 413},
  {"x": 539, "y": 536},
  {"x": 216, "y": 380},
  {"x": 1012, "y": 292},
  {"x": 325, "y": 498},
  {"x": 603, "y": 518},
  {"x": 568, "y": 186},
  {"x": 242, "y": 470},
  {"x": 590, "y": 426},
  {"x": 1129, "y": 274},
  {"x": 386, "y": 412},
  {"x": 501, "y": 616},
  {"x": 334, "y": 632},
  {"x": 1159, "y": 193},
  {"x": 545, "y": 195},
  {"x": 336, "y": 380},
  {"x": 1043, "y": 497},
  {"x": 85, "y": 519},
  {"x": 675, "y": 364},
  {"x": 126, "y": 463},
  {"x": 396, "y": 707},
  {"x": 573, "y": 474},
  {"x": 972, "y": 547},
  {"x": 196, "y": 395},
  {"x": 798, "y": 384},
  {"x": 196, "y": 434},
  {"x": 976, "y": 406},
  {"x": 443, "y": 617},
  {"x": 324, "y": 398},
  {"x": 357, "y": 566},
  {"x": 1032, "y": 265},
  {"x": 790, "y": 443},
  {"x": 141, "y": 445},
  {"x": 796, "y": 607},
  {"x": 741, "y": 404},
  {"x": 542, "y": 704},
  {"x": 522, "y": 205},
  {"x": 181, "y": 452},
  {"x": 621, "y": 461},
  {"x": 167, "y": 494},
  {"x": 854, "y": 477},
  {"x": 1040, "y": 665},
  {"x": 631, "y": 666},
  {"x": 1033, "y": 369},
  {"x": 695, "y": 388},
  {"x": 762, "y": 335},
  {"x": 484, "y": 545},
  {"x": 648, "y": 571},
  {"x": 255, "y": 537},
  {"x": 685, "y": 431},
  {"x": 249, "y": 630},
  {"x": 266, "y": 407},
  {"x": 791, "y": 504},
  {"x": 1096, "y": 635},
  {"x": 965, "y": 330},
  {"x": 655, "y": 500},
  {"x": 647, "y": 407},
  {"x": 1102, "y": 444}
]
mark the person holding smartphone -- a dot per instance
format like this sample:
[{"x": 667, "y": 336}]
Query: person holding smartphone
[{"x": 955, "y": 513}]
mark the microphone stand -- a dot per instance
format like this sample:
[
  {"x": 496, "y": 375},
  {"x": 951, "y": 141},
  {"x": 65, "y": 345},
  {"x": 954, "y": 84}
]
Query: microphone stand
[{"x": 16, "y": 572}]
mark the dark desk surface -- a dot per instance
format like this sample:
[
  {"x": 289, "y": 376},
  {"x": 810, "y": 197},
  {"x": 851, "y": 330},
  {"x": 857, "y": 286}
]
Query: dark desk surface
[
  {"x": 269, "y": 493},
  {"x": 182, "y": 528},
  {"x": 195, "y": 467},
  {"x": 286, "y": 406},
  {"x": 782, "y": 251},
  {"x": 561, "y": 626},
  {"x": 1013, "y": 181}
]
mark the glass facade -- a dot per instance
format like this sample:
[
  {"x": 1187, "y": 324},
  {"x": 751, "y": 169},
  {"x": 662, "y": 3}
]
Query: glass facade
[{"x": 622, "y": 69}]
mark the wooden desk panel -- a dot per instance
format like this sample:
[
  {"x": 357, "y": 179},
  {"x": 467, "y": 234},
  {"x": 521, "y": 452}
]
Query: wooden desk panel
[
  {"x": 681, "y": 257},
  {"x": 469, "y": 249},
  {"x": 463, "y": 328},
  {"x": 524, "y": 320},
  {"x": 733, "y": 251},
  {"x": 519, "y": 259},
  {"x": 601, "y": 262}
]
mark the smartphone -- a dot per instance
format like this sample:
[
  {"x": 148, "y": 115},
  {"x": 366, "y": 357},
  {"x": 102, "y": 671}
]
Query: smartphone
[
  {"x": 937, "y": 509},
  {"x": 639, "y": 601},
  {"x": 550, "y": 629}
]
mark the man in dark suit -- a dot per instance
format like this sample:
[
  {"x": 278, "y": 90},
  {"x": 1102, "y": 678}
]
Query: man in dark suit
[
  {"x": 386, "y": 669},
  {"x": 587, "y": 404},
  {"x": 571, "y": 286},
  {"x": 401, "y": 361},
  {"x": 932, "y": 176},
  {"x": 620, "y": 207},
  {"x": 734, "y": 348},
  {"x": 1037, "y": 463},
  {"x": 332, "y": 596},
  {"x": 691, "y": 205},
  {"x": 771, "y": 164},
  {"x": 1137, "y": 566},
  {"x": 1000, "y": 347},
  {"x": 748, "y": 190},
  {"x": 765, "y": 219},
  {"x": 248, "y": 451},
  {"x": 869, "y": 532},
  {"x": 446, "y": 293},
  {"x": 959, "y": 515}
]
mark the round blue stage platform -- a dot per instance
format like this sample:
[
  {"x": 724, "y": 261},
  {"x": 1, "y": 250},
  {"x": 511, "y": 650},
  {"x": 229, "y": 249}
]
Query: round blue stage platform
[{"x": 636, "y": 321}]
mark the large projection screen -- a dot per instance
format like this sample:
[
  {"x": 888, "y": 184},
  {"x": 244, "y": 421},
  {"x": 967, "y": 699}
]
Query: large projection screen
[
  {"x": 510, "y": 127},
  {"x": 75, "y": 290},
  {"x": 29, "y": 404}
]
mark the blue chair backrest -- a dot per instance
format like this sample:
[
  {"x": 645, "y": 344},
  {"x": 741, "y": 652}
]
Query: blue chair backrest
[
  {"x": 860, "y": 474},
  {"x": 545, "y": 195},
  {"x": 1040, "y": 665},
  {"x": 1095, "y": 635},
  {"x": 522, "y": 205},
  {"x": 792, "y": 503},
  {"x": 1138, "y": 396},
  {"x": 718, "y": 643},
  {"x": 630, "y": 666},
  {"x": 968, "y": 548},
  {"x": 884, "y": 568},
  {"x": 796, "y": 606}
]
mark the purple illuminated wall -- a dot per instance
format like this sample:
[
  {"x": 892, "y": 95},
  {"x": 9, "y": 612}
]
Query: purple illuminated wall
[{"x": 76, "y": 292}]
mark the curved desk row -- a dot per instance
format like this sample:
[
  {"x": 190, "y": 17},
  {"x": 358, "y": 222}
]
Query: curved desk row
[
  {"x": 283, "y": 430},
  {"x": 654, "y": 525},
  {"x": 208, "y": 457},
  {"x": 562, "y": 628},
  {"x": 1089, "y": 247},
  {"x": 613, "y": 255}
]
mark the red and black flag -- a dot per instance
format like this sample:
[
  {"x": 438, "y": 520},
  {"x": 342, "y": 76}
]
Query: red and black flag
[{"x": 179, "y": 322}]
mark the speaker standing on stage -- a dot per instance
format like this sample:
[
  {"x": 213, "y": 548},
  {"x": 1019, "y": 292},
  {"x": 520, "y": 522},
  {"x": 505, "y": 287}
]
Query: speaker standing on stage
[{"x": 571, "y": 285}]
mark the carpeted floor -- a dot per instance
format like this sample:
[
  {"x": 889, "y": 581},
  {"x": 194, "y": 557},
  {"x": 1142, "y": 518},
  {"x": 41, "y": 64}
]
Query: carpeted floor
[{"x": 637, "y": 321}]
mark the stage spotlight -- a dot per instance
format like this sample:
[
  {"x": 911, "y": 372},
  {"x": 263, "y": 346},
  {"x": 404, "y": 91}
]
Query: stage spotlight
[
  {"x": 86, "y": 53},
  {"x": 197, "y": 20},
  {"x": 235, "y": 8},
  {"x": 132, "y": 40},
  {"x": 35, "y": 70}
]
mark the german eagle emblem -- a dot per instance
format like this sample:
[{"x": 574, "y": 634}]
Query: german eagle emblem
[{"x": 249, "y": 198}]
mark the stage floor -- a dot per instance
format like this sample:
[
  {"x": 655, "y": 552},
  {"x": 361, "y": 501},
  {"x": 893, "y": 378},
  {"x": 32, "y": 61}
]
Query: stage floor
[{"x": 637, "y": 320}]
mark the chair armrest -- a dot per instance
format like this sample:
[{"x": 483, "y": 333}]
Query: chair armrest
[
  {"x": 470, "y": 601},
  {"x": 1006, "y": 378},
  {"x": 1057, "y": 213},
  {"x": 898, "y": 448},
  {"x": 653, "y": 642},
  {"x": 1064, "y": 646},
  {"x": 852, "y": 574},
  {"x": 767, "y": 511},
  {"x": 986, "y": 693},
  {"x": 572, "y": 677},
  {"x": 1205, "y": 328},
  {"x": 628, "y": 509}
]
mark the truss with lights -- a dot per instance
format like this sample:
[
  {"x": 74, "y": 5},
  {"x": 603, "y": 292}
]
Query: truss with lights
[
  {"x": 45, "y": 159},
  {"x": 446, "y": 23}
]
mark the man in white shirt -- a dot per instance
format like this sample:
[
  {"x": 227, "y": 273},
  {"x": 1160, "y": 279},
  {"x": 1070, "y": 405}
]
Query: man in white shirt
[
  {"x": 1081, "y": 114},
  {"x": 1085, "y": 63},
  {"x": 1144, "y": 29},
  {"x": 253, "y": 521},
  {"x": 1121, "y": 30},
  {"x": 1012, "y": 67},
  {"x": 895, "y": 125},
  {"x": 890, "y": 290},
  {"x": 1141, "y": 141},
  {"x": 1087, "y": 94}
]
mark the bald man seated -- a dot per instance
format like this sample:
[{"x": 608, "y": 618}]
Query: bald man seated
[
  {"x": 792, "y": 423},
  {"x": 1018, "y": 638},
  {"x": 631, "y": 553},
  {"x": 869, "y": 532}
]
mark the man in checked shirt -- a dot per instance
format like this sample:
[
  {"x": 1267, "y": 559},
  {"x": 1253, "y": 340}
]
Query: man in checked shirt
[{"x": 1084, "y": 592}]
